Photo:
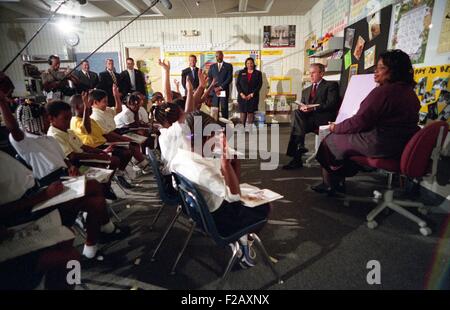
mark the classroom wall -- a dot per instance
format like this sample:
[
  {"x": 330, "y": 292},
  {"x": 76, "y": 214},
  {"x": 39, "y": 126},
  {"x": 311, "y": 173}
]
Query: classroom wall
[{"x": 236, "y": 33}]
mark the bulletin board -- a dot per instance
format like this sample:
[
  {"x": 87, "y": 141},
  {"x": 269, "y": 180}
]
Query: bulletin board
[
  {"x": 180, "y": 61},
  {"x": 433, "y": 90},
  {"x": 411, "y": 21},
  {"x": 97, "y": 61},
  {"x": 364, "y": 41}
]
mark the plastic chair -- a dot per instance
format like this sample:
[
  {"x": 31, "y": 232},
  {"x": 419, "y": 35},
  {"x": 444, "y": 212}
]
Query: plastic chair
[
  {"x": 196, "y": 207},
  {"x": 424, "y": 147}
]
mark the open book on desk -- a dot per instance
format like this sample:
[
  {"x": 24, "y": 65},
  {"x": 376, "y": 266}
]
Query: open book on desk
[
  {"x": 73, "y": 188},
  {"x": 253, "y": 196},
  {"x": 135, "y": 137},
  {"x": 95, "y": 161},
  {"x": 29, "y": 237},
  {"x": 124, "y": 144}
]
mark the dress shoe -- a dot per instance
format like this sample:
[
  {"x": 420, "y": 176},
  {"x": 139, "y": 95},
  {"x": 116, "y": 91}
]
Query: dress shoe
[
  {"x": 302, "y": 150},
  {"x": 322, "y": 188},
  {"x": 293, "y": 164}
]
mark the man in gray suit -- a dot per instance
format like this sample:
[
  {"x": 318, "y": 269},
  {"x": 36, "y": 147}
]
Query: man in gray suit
[
  {"x": 222, "y": 73},
  {"x": 319, "y": 105},
  {"x": 88, "y": 79}
]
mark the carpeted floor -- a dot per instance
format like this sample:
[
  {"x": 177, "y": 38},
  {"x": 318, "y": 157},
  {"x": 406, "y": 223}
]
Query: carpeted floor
[{"x": 318, "y": 241}]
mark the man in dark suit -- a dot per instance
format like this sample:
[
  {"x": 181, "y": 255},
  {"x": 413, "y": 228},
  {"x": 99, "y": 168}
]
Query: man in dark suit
[
  {"x": 192, "y": 70},
  {"x": 319, "y": 105},
  {"x": 132, "y": 79},
  {"x": 222, "y": 72},
  {"x": 106, "y": 80},
  {"x": 88, "y": 79}
]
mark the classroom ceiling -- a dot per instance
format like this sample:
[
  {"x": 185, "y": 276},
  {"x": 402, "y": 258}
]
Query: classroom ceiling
[{"x": 35, "y": 10}]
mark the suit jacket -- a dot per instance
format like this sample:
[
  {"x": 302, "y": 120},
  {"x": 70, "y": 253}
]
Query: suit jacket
[
  {"x": 327, "y": 95},
  {"x": 86, "y": 83},
  {"x": 247, "y": 87},
  {"x": 185, "y": 73},
  {"x": 126, "y": 82},
  {"x": 223, "y": 78},
  {"x": 106, "y": 82}
]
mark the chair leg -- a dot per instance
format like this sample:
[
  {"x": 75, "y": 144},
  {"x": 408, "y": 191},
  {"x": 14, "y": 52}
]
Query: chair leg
[
  {"x": 235, "y": 248},
  {"x": 266, "y": 257},
  {"x": 156, "y": 216},
  {"x": 371, "y": 216},
  {"x": 407, "y": 214},
  {"x": 180, "y": 254},
  {"x": 313, "y": 156},
  {"x": 117, "y": 217},
  {"x": 169, "y": 228},
  {"x": 390, "y": 178}
]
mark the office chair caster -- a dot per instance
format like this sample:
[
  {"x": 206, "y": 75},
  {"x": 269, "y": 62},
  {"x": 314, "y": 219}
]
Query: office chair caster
[
  {"x": 426, "y": 231},
  {"x": 372, "y": 224}
]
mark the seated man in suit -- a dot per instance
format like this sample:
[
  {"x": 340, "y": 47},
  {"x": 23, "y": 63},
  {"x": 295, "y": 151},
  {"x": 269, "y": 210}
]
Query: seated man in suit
[
  {"x": 222, "y": 72},
  {"x": 132, "y": 79},
  {"x": 88, "y": 79},
  {"x": 106, "y": 80},
  {"x": 191, "y": 70},
  {"x": 319, "y": 105}
]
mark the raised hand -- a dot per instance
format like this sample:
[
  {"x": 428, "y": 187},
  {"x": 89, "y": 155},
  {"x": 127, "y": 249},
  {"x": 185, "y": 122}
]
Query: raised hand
[
  {"x": 165, "y": 64},
  {"x": 85, "y": 98},
  {"x": 115, "y": 91},
  {"x": 202, "y": 78},
  {"x": 189, "y": 86}
]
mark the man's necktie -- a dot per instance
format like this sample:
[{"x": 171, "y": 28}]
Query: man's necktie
[
  {"x": 87, "y": 75},
  {"x": 113, "y": 76},
  {"x": 219, "y": 65},
  {"x": 313, "y": 93},
  {"x": 193, "y": 74}
]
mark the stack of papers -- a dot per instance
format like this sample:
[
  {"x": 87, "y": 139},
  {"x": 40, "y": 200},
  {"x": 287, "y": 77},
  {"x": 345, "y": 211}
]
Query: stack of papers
[{"x": 253, "y": 196}]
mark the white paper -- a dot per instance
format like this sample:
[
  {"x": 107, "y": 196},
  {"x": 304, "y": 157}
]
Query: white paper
[
  {"x": 357, "y": 90},
  {"x": 323, "y": 132},
  {"x": 42, "y": 233},
  {"x": 136, "y": 138},
  {"x": 222, "y": 94},
  {"x": 99, "y": 174},
  {"x": 252, "y": 196},
  {"x": 73, "y": 188}
]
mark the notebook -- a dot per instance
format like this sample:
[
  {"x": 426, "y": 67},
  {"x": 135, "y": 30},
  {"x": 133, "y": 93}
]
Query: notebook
[
  {"x": 99, "y": 174},
  {"x": 253, "y": 196},
  {"x": 73, "y": 188},
  {"x": 42, "y": 233},
  {"x": 136, "y": 138}
]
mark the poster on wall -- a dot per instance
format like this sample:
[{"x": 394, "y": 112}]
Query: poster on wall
[
  {"x": 412, "y": 20},
  {"x": 279, "y": 36},
  {"x": 444, "y": 37},
  {"x": 335, "y": 16},
  {"x": 359, "y": 9},
  {"x": 433, "y": 90}
]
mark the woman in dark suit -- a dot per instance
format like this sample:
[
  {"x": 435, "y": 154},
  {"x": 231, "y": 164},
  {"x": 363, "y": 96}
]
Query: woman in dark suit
[
  {"x": 386, "y": 120},
  {"x": 248, "y": 84}
]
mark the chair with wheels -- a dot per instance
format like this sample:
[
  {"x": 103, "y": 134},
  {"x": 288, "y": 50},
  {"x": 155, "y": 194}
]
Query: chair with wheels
[{"x": 415, "y": 163}]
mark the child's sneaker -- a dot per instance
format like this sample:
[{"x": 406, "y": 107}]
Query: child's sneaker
[{"x": 247, "y": 261}]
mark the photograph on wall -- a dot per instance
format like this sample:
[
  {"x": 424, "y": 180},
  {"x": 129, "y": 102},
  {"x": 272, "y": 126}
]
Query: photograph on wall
[
  {"x": 433, "y": 91},
  {"x": 369, "y": 57},
  {"x": 374, "y": 24},
  {"x": 279, "y": 36},
  {"x": 349, "y": 36},
  {"x": 412, "y": 22},
  {"x": 359, "y": 47},
  {"x": 353, "y": 71}
]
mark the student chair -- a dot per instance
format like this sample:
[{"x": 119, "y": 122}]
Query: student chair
[
  {"x": 195, "y": 206},
  {"x": 415, "y": 162},
  {"x": 167, "y": 198}
]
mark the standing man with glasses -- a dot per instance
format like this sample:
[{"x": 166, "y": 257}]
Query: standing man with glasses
[
  {"x": 222, "y": 73},
  {"x": 192, "y": 71},
  {"x": 107, "y": 79},
  {"x": 88, "y": 79},
  {"x": 319, "y": 105}
]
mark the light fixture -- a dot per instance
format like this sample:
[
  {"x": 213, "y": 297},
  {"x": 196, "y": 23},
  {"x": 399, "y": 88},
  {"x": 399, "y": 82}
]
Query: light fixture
[
  {"x": 190, "y": 33},
  {"x": 65, "y": 25},
  {"x": 197, "y": 3}
]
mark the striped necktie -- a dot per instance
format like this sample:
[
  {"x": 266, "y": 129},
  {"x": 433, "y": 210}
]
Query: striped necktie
[{"x": 113, "y": 76}]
